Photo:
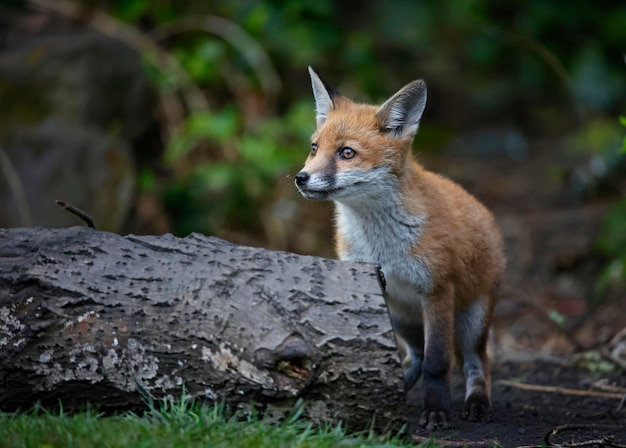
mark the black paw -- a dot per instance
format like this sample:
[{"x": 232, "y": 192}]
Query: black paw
[
  {"x": 477, "y": 409},
  {"x": 434, "y": 419}
]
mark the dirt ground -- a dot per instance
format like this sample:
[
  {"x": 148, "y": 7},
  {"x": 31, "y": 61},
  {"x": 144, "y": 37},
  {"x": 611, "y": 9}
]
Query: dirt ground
[
  {"x": 567, "y": 370},
  {"x": 525, "y": 417}
]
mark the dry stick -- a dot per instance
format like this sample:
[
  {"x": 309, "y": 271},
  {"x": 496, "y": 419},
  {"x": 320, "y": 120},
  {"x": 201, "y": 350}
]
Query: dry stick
[
  {"x": 609, "y": 388},
  {"x": 457, "y": 443},
  {"x": 604, "y": 441},
  {"x": 590, "y": 443},
  {"x": 559, "y": 390},
  {"x": 78, "y": 212}
]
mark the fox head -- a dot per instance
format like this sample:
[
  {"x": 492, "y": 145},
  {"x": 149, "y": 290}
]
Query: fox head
[{"x": 359, "y": 151}]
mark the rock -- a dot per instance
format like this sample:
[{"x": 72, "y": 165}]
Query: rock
[{"x": 76, "y": 119}]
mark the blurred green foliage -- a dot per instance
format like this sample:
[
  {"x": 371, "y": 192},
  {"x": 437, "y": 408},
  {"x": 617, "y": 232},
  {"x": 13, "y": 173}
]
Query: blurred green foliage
[
  {"x": 612, "y": 239},
  {"x": 549, "y": 68},
  {"x": 229, "y": 188}
]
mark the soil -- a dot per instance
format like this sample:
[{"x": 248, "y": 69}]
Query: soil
[{"x": 527, "y": 417}]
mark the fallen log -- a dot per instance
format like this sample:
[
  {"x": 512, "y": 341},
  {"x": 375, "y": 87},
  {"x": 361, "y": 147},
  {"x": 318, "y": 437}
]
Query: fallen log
[{"x": 93, "y": 317}]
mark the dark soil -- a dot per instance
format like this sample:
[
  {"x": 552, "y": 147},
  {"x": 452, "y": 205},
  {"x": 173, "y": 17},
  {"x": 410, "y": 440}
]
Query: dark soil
[{"x": 525, "y": 417}]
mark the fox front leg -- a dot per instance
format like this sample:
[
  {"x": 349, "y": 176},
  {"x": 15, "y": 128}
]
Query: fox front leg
[
  {"x": 425, "y": 342},
  {"x": 410, "y": 337},
  {"x": 439, "y": 328}
]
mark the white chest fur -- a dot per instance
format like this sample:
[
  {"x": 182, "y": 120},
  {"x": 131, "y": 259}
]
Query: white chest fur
[{"x": 386, "y": 235}]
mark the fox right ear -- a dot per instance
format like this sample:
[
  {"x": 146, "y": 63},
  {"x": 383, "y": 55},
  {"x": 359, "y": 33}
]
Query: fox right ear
[
  {"x": 323, "y": 94},
  {"x": 400, "y": 115}
]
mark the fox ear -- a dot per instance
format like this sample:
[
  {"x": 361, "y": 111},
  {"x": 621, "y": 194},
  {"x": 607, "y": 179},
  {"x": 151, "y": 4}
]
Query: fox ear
[
  {"x": 323, "y": 94},
  {"x": 400, "y": 115}
]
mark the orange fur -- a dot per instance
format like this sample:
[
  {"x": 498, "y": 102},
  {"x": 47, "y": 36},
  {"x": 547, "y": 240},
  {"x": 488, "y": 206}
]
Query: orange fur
[{"x": 437, "y": 245}]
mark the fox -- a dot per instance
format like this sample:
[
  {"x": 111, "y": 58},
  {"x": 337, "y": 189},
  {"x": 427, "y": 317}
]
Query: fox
[{"x": 438, "y": 248}]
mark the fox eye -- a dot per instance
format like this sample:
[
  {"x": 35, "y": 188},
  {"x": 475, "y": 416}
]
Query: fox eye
[
  {"x": 347, "y": 153},
  {"x": 313, "y": 149}
]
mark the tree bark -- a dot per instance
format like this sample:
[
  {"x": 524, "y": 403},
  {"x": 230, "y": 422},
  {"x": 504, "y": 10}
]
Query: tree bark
[{"x": 93, "y": 317}]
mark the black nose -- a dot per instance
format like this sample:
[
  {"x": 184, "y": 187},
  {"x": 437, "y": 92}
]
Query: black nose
[{"x": 301, "y": 178}]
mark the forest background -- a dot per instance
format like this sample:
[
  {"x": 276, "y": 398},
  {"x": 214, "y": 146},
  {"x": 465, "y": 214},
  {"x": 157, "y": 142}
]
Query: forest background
[{"x": 194, "y": 116}]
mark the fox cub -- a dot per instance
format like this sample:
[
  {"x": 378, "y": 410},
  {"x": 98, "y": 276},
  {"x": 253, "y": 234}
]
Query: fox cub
[{"x": 438, "y": 247}]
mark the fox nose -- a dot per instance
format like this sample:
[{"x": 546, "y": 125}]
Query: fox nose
[{"x": 301, "y": 178}]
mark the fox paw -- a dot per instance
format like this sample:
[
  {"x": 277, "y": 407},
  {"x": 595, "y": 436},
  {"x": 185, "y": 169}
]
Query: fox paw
[
  {"x": 477, "y": 408},
  {"x": 434, "y": 419}
]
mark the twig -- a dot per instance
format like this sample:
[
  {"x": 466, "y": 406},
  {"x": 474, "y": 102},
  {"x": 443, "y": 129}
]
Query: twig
[
  {"x": 609, "y": 388},
  {"x": 559, "y": 390},
  {"x": 16, "y": 187},
  {"x": 78, "y": 212},
  {"x": 457, "y": 443},
  {"x": 604, "y": 441},
  {"x": 588, "y": 443}
]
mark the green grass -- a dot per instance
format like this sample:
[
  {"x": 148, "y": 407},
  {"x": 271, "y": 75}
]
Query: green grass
[{"x": 174, "y": 425}]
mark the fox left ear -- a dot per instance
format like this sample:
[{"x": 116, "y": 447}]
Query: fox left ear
[
  {"x": 323, "y": 94},
  {"x": 400, "y": 115}
]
